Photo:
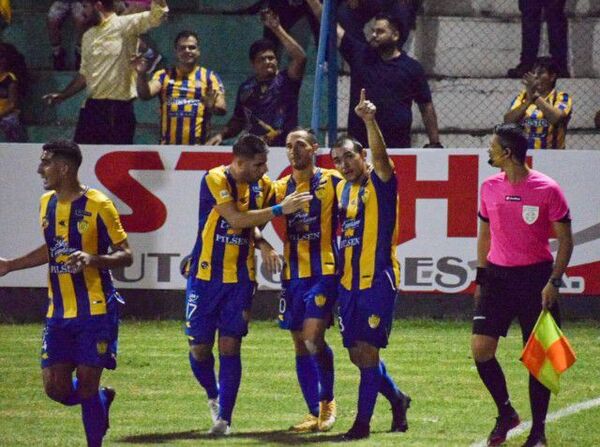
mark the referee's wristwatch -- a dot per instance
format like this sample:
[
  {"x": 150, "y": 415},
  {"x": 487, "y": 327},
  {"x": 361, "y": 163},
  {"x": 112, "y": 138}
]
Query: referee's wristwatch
[{"x": 556, "y": 282}]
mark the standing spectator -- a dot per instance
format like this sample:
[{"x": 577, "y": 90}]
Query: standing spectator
[
  {"x": 84, "y": 239},
  {"x": 189, "y": 93},
  {"x": 516, "y": 274},
  {"x": 543, "y": 111},
  {"x": 267, "y": 103},
  {"x": 354, "y": 14},
  {"x": 57, "y": 14},
  {"x": 531, "y": 27},
  {"x": 392, "y": 79},
  {"x": 13, "y": 82},
  {"x": 107, "y": 117}
]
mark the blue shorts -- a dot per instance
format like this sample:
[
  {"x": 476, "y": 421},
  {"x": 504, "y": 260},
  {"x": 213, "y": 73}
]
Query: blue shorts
[
  {"x": 307, "y": 298},
  {"x": 89, "y": 341},
  {"x": 212, "y": 306},
  {"x": 366, "y": 315}
]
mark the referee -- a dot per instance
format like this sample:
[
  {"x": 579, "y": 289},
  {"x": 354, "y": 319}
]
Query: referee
[{"x": 516, "y": 275}]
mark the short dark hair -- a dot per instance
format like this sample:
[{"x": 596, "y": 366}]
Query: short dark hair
[
  {"x": 260, "y": 46},
  {"x": 65, "y": 149},
  {"x": 356, "y": 146},
  {"x": 547, "y": 63},
  {"x": 393, "y": 21},
  {"x": 108, "y": 4},
  {"x": 310, "y": 134},
  {"x": 184, "y": 34},
  {"x": 512, "y": 136},
  {"x": 249, "y": 145}
]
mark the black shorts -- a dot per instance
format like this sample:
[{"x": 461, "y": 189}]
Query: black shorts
[
  {"x": 510, "y": 292},
  {"x": 105, "y": 121}
]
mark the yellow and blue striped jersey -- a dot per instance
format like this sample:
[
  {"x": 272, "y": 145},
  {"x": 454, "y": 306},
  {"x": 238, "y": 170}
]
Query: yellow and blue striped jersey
[
  {"x": 90, "y": 224},
  {"x": 541, "y": 133},
  {"x": 368, "y": 216},
  {"x": 310, "y": 248},
  {"x": 223, "y": 253},
  {"x": 183, "y": 118}
]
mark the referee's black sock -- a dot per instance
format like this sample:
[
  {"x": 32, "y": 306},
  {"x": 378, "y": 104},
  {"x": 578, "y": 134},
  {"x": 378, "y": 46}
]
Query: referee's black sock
[
  {"x": 493, "y": 378},
  {"x": 539, "y": 397}
]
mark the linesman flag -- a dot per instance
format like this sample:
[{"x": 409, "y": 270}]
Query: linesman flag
[{"x": 547, "y": 353}]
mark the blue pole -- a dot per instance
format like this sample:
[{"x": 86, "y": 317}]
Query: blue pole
[{"x": 316, "y": 110}]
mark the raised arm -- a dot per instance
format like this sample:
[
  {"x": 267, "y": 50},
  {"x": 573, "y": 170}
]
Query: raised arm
[
  {"x": 383, "y": 166},
  {"x": 317, "y": 10},
  {"x": 37, "y": 257},
  {"x": 257, "y": 218},
  {"x": 295, "y": 50},
  {"x": 146, "y": 88}
]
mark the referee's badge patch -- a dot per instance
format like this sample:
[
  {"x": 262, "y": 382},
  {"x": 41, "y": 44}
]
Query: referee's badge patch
[{"x": 530, "y": 213}]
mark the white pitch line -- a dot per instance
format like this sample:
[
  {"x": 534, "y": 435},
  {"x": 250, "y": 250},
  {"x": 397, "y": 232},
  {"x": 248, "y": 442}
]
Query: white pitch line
[{"x": 551, "y": 417}]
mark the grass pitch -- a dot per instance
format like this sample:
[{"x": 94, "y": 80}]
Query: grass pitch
[{"x": 159, "y": 402}]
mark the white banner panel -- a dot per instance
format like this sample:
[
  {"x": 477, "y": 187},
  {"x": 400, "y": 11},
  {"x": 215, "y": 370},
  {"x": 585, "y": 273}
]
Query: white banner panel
[{"x": 155, "y": 188}]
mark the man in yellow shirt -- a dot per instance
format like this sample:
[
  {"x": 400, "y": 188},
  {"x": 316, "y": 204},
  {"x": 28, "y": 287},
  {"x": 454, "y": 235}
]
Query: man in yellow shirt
[{"x": 107, "y": 116}]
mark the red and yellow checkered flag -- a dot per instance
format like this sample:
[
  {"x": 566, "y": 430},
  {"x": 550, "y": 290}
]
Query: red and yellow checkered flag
[{"x": 547, "y": 353}]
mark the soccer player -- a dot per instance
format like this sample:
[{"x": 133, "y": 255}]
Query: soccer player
[
  {"x": 370, "y": 271},
  {"x": 189, "y": 94},
  {"x": 84, "y": 240},
  {"x": 309, "y": 277},
  {"x": 516, "y": 277},
  {"x": 221, "y": 277}
]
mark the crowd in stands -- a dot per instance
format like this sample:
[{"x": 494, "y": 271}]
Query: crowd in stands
[{"x": 113, "y": 65}]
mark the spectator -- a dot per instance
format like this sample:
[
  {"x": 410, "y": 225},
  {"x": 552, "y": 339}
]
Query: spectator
[
  {"x": 57, "y": 14},
  {"x": 267, "y": 103},
  {"x": 13, "y": 81},
  {"x": 107, "y": 116},
  {"x": 392, "y": 80},
  {"x": 354, "y": 14},
  {"x": 189, "y": 93},
  {"x": 289, "y": 12},
  {"x": 543, "y": 111},
  {"x": 531, "y": 27}
]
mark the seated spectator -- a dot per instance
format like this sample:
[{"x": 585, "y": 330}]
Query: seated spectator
[
  {"x": 13, "y": 81},
  {"x": 189, "y": 94},
  {"x": 392, "y": 80},
  {"x": 57, "y": 15},
  {"x": 267, "y": 103},
  {"x": 543, "y": 111}
]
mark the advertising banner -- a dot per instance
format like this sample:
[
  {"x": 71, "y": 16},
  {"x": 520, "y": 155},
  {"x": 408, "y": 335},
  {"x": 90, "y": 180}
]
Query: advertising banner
[{"x": 155, "y": 189}]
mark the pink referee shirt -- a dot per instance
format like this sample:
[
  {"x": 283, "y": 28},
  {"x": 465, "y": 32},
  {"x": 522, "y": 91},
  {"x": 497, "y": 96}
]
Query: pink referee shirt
[{"x": 520, "y": 217}]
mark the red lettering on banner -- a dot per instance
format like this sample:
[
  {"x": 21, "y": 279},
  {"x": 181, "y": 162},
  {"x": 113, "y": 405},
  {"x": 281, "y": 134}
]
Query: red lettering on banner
[
  {"x": 460, "y": 190},
  {"x": 202, "y": 161},
  {"x": 148, "y": 212}
]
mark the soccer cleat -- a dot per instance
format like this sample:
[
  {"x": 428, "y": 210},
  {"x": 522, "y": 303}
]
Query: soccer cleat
[
  {"x": 309, "y": 424},
  {"x": 502, "y": 427},
  {"x": 399, "y": 422},
  {"x": 535, "y": 440},
  {"x": 220, "y": 428},
  {"x": 109, "y": 394},
  {"x": 358, "y": 430},
  {"x": 327, "y": 414},
  {"x": 213, "y": 407}
]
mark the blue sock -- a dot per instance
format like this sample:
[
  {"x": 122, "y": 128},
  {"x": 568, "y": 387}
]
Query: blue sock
[
  {"x": 93, "y": 413},
  {"x": 325, "y": 370},
  {"x": 308, "y": 378},
  {"x": 204, "y": 372},
  {"x": 370, "y": 384},
  {"x": 73, "y": 398},
  {"x": 230, "y": 376},
  {"x": 388, "y": 388}
]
